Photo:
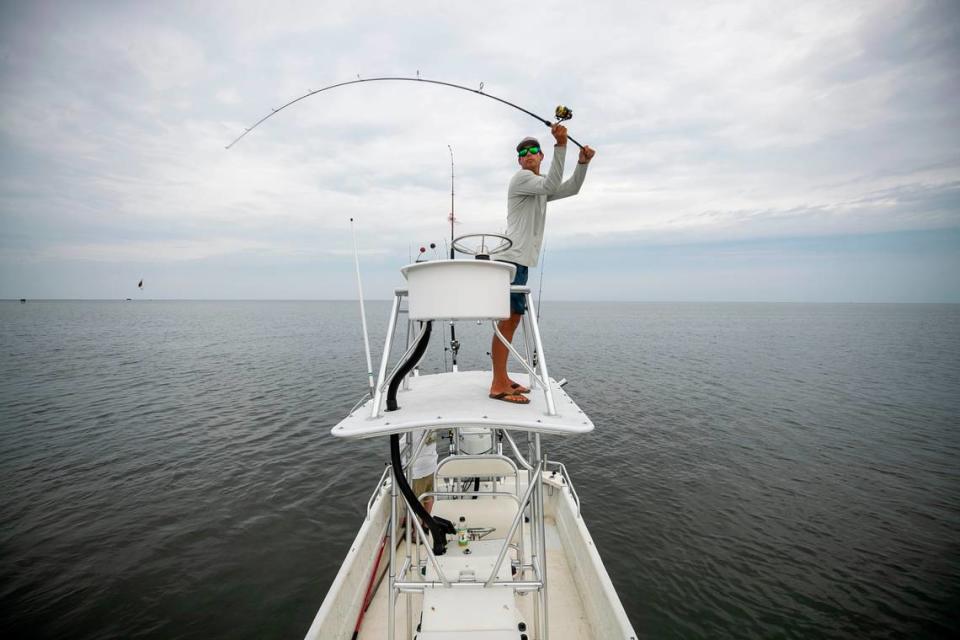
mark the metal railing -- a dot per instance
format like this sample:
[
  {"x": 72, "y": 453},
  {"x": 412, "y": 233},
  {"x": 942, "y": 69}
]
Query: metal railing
[
  {"x": 565, "y": 475},
  {"x": 376, "y": 492},
  {"x": 516, "y": 451}
]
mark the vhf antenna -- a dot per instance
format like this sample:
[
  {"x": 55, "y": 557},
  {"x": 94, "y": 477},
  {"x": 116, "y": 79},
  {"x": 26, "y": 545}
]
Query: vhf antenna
[
  {"x": 452, "y": 216},
  {"x": 454, "y": 343}
]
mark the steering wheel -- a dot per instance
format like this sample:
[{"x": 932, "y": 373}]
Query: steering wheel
[{"x": 503, "y": 244}]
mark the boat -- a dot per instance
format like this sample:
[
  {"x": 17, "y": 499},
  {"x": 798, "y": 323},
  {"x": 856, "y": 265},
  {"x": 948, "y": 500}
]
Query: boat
[{"x": 505, "y": 552}]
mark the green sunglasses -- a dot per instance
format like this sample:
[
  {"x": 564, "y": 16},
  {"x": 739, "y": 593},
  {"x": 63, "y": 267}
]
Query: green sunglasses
[{"x": 523, "y": 152}]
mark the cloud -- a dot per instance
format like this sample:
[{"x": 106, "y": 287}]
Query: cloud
[
  {"x": 175, "y": 251},
  {"x": 724, "y": 121},
  {"x": 228, "y": 96}
]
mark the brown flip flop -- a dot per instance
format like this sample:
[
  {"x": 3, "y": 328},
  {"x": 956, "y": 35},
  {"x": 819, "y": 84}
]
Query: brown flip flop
[
  {"x": 519, "y": 388},
  {"x": 512, "y": 398}
]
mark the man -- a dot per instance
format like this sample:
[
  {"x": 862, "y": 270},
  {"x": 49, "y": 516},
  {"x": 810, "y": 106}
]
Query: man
[
  {"x": 424, "y": 465},
  {"x": 527, "y": 198}
]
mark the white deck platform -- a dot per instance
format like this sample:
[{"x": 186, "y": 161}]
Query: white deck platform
[
  {"x": 581, "y": 600},
  {"x": 462, "y": 400},
  {"x": 568, "y": 615}
]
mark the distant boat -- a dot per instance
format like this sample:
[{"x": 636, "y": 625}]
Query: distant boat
[{"x": 23, "y": 301}]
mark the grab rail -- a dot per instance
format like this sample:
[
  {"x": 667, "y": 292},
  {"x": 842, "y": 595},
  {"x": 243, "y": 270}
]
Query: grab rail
[
  {"x": 566, "y": 477},
  {"x": 516, "y": 451},
  {"x": 360, "y": 402},
  {"x": 376, "y": 492}
]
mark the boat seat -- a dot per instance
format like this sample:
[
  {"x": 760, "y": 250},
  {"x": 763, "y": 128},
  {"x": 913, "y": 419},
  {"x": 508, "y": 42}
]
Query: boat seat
[
  {"x": 480, "y": 466},
  {"x": 486, "y": 511},
  {"x": 491, "y": 615}
]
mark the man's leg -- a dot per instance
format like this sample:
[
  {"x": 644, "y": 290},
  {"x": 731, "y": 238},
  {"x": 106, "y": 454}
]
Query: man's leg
[
  {"x": 421, "y": 486},
  {"x": 499, "y": 353}
]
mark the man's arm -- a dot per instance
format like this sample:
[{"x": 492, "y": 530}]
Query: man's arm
[{"x": 572, "y": 186}]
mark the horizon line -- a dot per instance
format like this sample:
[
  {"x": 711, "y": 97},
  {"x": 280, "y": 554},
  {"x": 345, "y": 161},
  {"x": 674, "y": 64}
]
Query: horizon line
[{"x": 387, "y": 300}]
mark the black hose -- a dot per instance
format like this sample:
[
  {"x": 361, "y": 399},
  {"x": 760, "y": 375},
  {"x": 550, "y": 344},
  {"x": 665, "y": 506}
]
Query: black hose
[
  {"x": 439, "y": 527},
  {"x": 405, "y": 368}
]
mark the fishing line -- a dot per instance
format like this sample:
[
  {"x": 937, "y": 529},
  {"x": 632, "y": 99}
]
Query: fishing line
[{"x": 562, "y": 113}]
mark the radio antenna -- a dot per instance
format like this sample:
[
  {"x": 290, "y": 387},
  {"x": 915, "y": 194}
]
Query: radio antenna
[
  {"x": 454, "y": 343},
  {"x": 452, "y": 218}
]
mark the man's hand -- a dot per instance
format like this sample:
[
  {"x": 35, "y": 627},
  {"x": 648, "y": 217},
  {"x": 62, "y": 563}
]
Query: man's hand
[
  {"x": 586, "y": 154},
  {"x": 559, "y": 134}
]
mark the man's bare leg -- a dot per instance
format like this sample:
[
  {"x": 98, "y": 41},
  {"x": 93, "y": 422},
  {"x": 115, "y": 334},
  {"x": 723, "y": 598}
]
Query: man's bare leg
[{"x": 499, "y": 353}]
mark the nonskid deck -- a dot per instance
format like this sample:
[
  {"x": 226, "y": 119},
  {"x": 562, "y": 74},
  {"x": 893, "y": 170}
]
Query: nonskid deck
[
  {"x": 568, "y": 616},
  {"x": 581, "y": 601}
]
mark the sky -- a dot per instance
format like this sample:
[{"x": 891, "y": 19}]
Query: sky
[{"x": 746, "y": 151}]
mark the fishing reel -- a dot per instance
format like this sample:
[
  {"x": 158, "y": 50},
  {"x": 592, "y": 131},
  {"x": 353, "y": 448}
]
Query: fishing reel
[{"x": 563, "y": 113}]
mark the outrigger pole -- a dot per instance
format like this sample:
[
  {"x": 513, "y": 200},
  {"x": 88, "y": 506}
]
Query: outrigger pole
[
  {"x": 562, "y": 113},
  {"x": 363, "y": 314}
]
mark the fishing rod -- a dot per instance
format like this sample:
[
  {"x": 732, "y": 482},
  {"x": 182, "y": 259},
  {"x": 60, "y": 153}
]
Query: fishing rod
[{"x": 562, "y": 113}]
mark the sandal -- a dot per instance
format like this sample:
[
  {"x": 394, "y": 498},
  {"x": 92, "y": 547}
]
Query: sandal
[
  {"x": 512, "y": 398},
  {"x": 519, "y": 388}
]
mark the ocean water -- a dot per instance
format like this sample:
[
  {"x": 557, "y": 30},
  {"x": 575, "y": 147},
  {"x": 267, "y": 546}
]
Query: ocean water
[{"x": 757, "y": 471}]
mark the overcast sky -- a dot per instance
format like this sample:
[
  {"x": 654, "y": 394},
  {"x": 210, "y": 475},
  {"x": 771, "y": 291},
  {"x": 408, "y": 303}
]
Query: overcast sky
[{"x": 777, "y": 151}]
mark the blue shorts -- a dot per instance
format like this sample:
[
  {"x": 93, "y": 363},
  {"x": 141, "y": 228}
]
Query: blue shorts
[{"x": 518, "y": 301}]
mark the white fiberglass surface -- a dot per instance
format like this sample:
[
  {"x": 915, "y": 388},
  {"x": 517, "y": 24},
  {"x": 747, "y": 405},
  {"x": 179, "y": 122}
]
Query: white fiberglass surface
[
  {"x": 567, "y": 615},
  {"x": 581, "y": 601},
  {"x": 462, "y": 400}
]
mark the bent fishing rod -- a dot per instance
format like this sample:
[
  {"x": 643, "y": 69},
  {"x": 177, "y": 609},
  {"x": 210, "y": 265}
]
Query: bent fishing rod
[{"x": 562, "y": 113}]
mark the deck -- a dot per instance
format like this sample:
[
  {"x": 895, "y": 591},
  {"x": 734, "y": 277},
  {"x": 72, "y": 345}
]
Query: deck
[
  {"x": 566, "y": 613},
  {"x": 461, "y": 399}
]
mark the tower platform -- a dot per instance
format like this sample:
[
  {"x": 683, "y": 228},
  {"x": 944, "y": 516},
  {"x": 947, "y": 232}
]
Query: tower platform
[{"x": 462, "y": 399}]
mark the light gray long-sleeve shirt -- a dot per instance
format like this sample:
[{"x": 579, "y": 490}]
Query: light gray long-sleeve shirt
[{"x": 527, "y": 198}]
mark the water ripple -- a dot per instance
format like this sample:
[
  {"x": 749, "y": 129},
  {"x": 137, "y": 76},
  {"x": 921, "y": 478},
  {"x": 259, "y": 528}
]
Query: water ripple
[{"x": 758, "y": 471}]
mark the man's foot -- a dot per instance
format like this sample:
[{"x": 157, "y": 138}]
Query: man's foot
[
  {"x": 519, "y": 388},
  {"x": 511, "y": 397}
]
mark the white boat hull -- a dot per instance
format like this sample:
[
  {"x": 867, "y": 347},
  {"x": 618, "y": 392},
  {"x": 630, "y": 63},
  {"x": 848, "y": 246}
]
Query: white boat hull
[{"x": 582, "y": 603}]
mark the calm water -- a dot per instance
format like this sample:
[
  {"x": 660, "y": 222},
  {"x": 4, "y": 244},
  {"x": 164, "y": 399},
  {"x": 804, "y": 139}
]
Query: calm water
[{"x": 758, "y": 470}]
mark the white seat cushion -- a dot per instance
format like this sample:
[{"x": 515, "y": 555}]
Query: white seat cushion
[{"x": 495, "y": 511}]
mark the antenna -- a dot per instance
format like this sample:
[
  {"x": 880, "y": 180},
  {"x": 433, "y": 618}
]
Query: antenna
[
  {"x": 454, "y": 343},
  {"x": 363, "y": 313},
  {"x": 452, "y": 218},
  {"x": 543, "y": 264}
]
